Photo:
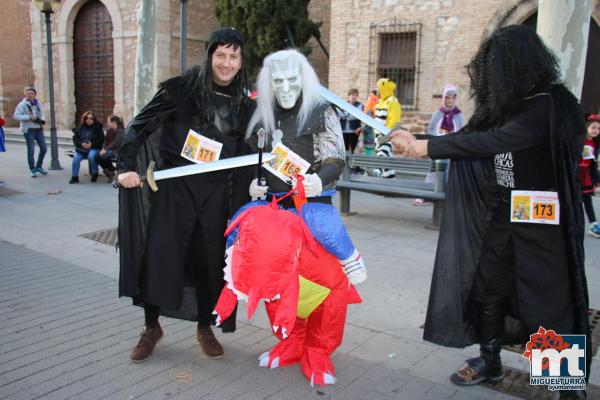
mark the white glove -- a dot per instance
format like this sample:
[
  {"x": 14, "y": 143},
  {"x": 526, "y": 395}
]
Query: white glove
[
  {"x": 312, "y": 185},
  {"x": 257, "y": 191}
]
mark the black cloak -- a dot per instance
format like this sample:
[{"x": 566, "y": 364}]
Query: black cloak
[
  {"x": 471, "y": 195},
  {"x": 175, "y": 105}
]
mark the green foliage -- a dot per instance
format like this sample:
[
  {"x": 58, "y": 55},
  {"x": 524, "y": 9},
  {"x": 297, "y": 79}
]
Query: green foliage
[{"x": 265, "y": 25}]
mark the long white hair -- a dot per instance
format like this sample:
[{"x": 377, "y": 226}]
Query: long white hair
[{"x": 265, "y": 102}]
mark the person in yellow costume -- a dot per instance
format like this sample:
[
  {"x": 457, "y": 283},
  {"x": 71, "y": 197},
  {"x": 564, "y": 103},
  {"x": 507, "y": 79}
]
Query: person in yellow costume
[{"x": 388, "y": 111}]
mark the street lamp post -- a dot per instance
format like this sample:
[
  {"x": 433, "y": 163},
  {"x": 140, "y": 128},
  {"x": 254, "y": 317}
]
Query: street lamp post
[
  {"x": 183, "y": 36},
  {"x": 47, "y": 7}
]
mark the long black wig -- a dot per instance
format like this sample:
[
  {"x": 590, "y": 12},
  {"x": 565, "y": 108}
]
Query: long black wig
[{"x": 510, "y": 65}]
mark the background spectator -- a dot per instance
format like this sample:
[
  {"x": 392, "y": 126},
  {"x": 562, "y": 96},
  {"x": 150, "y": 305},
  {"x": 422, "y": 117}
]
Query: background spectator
[
  {"x": 30, "y": 114},
  {"x": 350, "y": 124},
  {"x": 588, "y": 171},
  {"x": 368, "y": 136},
  {"x": 447, "y": 119},
  {"x": 2, "y": 147},
  {"x": 115, "y": 133},
  {"x": 389, "y": 112},
  {"x": 88, "y": 139}
]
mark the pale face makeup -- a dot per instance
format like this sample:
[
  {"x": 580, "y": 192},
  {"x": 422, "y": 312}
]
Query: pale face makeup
[{"x": 286, "y": 82}]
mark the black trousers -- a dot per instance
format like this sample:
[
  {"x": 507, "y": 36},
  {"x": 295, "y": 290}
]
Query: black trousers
[
  {"x": 105, "y": 161},
  {"x": 185, "y": 245},
  {"x": 350, "y": 141},
  {"x": 589, "y": 207},
  {"x": 529, "y": 261}
]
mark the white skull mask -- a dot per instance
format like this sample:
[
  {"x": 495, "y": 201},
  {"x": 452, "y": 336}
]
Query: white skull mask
[{"x": 286, "y": 81}]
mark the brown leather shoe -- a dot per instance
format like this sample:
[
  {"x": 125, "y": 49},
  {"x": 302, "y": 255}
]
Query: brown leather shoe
[
  {"x": 209, "y": 343},
  {"x": 148, "y": 339}
]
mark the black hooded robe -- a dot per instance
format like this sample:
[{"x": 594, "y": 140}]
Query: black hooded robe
[
  {"x": 162, "y": 252},
  {"x": 473, "y": 198}
]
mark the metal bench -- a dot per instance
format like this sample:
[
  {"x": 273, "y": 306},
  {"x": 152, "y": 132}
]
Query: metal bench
[{"x": 410, "y": 180}]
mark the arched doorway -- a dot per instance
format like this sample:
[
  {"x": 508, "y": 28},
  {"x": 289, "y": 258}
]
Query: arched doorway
[
  {"x": 590, "y": 96},
  {"x": 93, "y": 59}
]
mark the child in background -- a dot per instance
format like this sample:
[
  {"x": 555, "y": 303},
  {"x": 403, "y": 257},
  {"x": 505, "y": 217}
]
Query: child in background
[
  {"x": 588, "y": 172},
  {"x": 367, "y": 131}
]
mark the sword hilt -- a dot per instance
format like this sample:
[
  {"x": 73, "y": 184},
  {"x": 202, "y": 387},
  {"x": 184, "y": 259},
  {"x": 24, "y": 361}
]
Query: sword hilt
[
  {"x": 148, "y": 178},
  {"x": 261, "y": 146}
]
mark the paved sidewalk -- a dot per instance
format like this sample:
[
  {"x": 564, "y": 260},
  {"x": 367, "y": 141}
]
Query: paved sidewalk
[{"x": 64, "y": 334}]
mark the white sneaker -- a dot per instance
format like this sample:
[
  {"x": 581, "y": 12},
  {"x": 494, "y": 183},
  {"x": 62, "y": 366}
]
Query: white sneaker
[{"x": 354, "y": 268}]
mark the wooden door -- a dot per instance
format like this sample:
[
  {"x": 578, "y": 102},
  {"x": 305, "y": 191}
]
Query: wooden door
[{"x": 93, "y": 61}]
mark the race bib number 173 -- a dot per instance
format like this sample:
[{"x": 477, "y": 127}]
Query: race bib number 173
[{"x": 534, "y": 207}]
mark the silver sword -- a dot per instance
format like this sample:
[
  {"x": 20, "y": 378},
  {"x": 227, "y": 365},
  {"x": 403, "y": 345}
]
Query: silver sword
[
  {"x": 344, "y": 105},
  {"x": 227, "y": 163}
]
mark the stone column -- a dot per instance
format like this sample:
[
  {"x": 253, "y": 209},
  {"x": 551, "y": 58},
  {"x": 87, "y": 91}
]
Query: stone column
[
  {"x": 144, "y": 67},
  {"x": 564, "y": 26}
]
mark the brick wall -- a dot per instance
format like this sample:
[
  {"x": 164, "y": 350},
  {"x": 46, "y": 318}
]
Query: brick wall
[
  {"x": 451, "y": 33},
  {"x": 15, "y": 60},
  {"x": 320, "y": 12}
]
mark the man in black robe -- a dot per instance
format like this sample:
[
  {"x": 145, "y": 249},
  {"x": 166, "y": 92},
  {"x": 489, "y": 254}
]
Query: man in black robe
[
  {"x": 171, "y": 241},
  {"x": 493, "y": 260}
]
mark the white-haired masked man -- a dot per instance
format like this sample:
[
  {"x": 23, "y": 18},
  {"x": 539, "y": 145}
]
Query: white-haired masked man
[{"x": 295, "y": 116}]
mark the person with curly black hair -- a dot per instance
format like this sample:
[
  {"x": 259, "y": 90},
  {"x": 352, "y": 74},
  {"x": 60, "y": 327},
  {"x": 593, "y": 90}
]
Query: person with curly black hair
[
  {"x": 511, "y": 239},
  {"x": 171, "y": 242}
]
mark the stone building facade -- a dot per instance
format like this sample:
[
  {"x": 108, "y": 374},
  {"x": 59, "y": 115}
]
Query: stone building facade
[
  {"x": 26, "y": 63},
  {"x": 443, "y": 35}
]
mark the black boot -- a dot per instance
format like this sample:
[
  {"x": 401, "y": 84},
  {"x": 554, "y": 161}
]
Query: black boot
[
  {"x": 488, "y": 366},
  {"x": 94, "y": 177}
]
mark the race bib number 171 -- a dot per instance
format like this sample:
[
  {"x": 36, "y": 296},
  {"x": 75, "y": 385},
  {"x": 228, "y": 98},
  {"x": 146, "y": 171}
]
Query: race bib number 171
[{"x": 200, "y": 149}]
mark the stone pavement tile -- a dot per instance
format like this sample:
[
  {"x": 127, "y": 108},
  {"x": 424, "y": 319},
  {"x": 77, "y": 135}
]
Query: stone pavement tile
[
  {"x": 392, "y": 351},
  {"x": 67, "y": 341},
  {"x": 19, "y": 324},
  {"x": 42, "y": 304},
  {"x": 354, "y": 336},
  {"x": 364, "y": 316},
  {"x": 57, "y": 327},
  {"x": 464, "y": 395},
  {"x": 438, "y": 365},
  {"x": 350, "y": 373},
  {"x": 105, "y": 367},
  {"x": 360, "y": 388},
  {"x": 480, "y": 392},
  {"x": 395, "y": 381},
  {"x": 61, "y": 371},
  {"x": 236, "y": 371},
  {"x": 417, "y": 388},
  {"x": 440, "y": 392}
]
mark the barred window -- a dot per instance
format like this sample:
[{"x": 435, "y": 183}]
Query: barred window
[{"x": 394, "y": 54}]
